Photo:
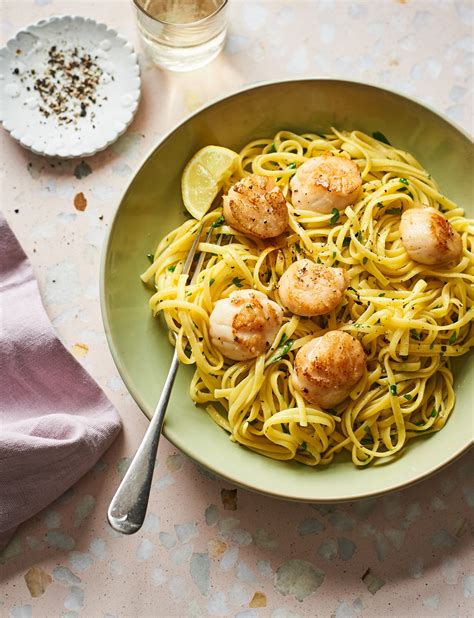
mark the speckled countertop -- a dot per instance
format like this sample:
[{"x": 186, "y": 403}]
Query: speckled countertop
[{"x": 208, "y": 549}]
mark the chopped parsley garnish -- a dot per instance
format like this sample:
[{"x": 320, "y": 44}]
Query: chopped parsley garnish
[
  {"x": 318, "y": 261},
  {"x": 404, "y": 180},
  {"x": 292, "y": 166},
  {"x": 393, "y": 389},
  {"x": 408, "y": 397},
  {"x": 434, "y": 412},
  {"x": 365, "y": 260},
  {"x": 272, "y": 149},
  {"x": 334, "y": 217},
  {"x": 380, "y": 205},
  {"x": 297, "y": 247},
  {"x": 359, "y": 235},
  {"x": 151, "y": 257},
  {"x": 172, "y": 268},
  {"x": 303, "y": 446},
  {"x": 393, "y": 211},
  {"x": 282, "y": 350},
  {"x": 383, "y": 294},
  {"x": 346, "y": 242},
  {"x": 220, "y": 221},
  {"x": 415, "y": 334},
  {"x": 211, "y": 281},
  {"x": 453, "y": 338},
  {"x": 334, "y": 254},
  {"x": 237, "y": 282},
  {"x": 366, "y": 441},
  {"x": 378, "y": 135},
  {"x": 332, "y": 411}
]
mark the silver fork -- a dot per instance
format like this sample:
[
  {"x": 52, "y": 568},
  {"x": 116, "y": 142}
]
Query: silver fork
[{"x": 127, "y": 509}]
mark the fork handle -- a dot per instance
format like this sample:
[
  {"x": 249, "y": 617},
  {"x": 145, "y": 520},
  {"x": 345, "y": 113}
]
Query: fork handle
[{"x": 128, "y": 507}]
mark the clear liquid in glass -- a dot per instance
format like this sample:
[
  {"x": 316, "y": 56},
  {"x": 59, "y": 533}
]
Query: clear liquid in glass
[
  {"x": 179, "y": 12},
  {"x": 182, "y": 35}
]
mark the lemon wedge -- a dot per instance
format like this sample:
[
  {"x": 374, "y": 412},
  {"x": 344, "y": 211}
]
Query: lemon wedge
[{"x": 204, "y": 176}]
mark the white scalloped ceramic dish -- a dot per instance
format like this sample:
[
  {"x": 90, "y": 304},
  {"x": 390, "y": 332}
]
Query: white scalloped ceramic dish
[{"x": 25, "y": 57}]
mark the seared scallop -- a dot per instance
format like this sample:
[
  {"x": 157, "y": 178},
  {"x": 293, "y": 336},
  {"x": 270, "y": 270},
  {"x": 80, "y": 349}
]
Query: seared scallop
[
  {"x": 324, "y": 183},
  {"x": 310, "y": 289},
  {"x": 328, "y": 367},
  {"x": 428, "y": 237},
  {"x": 245, "y": 324},
  {"x": 257, "y": 207}
]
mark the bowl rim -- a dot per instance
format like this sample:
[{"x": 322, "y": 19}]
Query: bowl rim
[{"x": 120, "y": 364}]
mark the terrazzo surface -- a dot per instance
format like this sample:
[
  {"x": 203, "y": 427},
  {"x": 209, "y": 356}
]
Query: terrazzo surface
[{"x": 208, "y": 549}]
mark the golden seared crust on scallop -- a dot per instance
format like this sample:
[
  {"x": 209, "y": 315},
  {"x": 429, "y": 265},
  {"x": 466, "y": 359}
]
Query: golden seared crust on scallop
[
  {"x": 428, "y": 237},
  {"x": 310, "y": 289},
  {"x": 328, "y": 367},
  {"x": 244, "y": 325},
  {"x": 324, "y": 183},
  {"x": 256, "y": 206}
]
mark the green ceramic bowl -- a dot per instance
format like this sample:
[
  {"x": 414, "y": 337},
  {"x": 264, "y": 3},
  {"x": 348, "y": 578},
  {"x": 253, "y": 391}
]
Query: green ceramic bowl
[{"x": 151, "y": 206}]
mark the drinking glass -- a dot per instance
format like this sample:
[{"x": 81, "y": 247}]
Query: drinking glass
[{"x": 182, "y": 35}]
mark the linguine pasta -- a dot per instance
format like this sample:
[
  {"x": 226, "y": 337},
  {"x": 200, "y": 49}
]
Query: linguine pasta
[{"x": 410, "y": 318}]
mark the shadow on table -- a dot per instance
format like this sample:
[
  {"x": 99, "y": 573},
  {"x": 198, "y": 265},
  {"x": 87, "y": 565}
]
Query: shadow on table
[
  {"x": 64, "y": 526},
  {"x": 365, "y": 544},
  {"x": 399, "y": 537}
]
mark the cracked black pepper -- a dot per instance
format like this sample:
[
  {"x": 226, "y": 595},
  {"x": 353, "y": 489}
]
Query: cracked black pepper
[{"x": 68, "y": 84}]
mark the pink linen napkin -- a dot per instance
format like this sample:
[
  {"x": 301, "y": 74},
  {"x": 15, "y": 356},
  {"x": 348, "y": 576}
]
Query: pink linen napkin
[{"x": 55, "y": 422}]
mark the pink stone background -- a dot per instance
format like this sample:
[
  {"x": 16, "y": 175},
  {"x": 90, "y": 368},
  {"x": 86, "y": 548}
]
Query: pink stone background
[{"x": 205, "y": 551}]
